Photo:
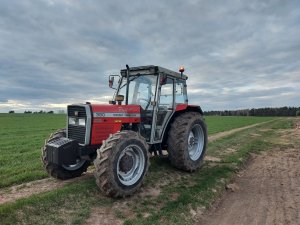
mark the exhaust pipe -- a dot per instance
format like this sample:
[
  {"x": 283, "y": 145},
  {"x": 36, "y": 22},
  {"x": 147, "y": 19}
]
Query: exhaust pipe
[{"x": 127, "y": 85}]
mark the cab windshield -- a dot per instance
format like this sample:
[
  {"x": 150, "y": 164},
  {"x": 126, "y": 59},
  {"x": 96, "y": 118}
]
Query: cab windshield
[{"x": 141, "y": 90}]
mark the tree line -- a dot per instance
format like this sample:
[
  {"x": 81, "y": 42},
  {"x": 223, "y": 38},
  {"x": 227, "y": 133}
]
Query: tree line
[
  {"x": 281, "y": 111},
  {"x": 35, "y": 112},
  {"x": 61, "y": 111}
]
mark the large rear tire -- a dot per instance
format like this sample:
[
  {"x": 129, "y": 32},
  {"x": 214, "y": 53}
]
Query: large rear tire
[
  {"x": 187, "y": 141},
  {"x": 121, "y": 164},
  {"x": 63, "y": 172}
]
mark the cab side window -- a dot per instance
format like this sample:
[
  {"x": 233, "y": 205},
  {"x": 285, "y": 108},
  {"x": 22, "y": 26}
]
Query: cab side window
[
  {"x": 180, "y": 96},
  {"x": 166, "y": 94}
]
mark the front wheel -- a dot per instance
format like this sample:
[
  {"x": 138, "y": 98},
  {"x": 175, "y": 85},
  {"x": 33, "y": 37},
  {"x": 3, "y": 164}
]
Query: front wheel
[
  {"x": 187, "y": 141},
  {"x": 121, "y": 164}
]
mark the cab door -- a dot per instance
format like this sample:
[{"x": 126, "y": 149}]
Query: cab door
[{"x": 164, "y": 109}]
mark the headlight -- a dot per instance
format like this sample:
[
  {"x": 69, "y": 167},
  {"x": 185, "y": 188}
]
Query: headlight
[
  {"x": 72, "y": 121},
  {"x": 81, "y": 122}
]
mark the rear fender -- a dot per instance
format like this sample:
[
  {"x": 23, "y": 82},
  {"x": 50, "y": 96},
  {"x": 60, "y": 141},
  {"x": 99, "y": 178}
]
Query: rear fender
[{"x": 186, "y": 107}]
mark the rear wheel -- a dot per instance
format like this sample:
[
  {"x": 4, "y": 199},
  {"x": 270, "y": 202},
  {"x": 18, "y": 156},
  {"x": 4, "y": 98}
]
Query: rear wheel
[
  {"x": 63, "y": 172},
  {"x": 187, "y": 141},
  {"x": 121, "y": 164}
]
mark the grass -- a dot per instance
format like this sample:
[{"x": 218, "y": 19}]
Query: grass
[
  {"x": 23, "y": 135},
  {"x": 21, "y": 138},
  {"x": 222, "y": 123},
  {"x": 180, "y": 193},
  {"x": 70, "y": 204}
]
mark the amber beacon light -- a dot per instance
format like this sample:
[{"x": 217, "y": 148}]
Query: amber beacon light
[{"x": 181, "y": 70}]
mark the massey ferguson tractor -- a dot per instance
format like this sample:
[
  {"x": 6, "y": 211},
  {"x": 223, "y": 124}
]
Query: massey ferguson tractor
[{"x": 149, "y": 115}]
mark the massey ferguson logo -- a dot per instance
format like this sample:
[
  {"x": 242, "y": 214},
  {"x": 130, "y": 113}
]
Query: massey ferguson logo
[{"x": 76, "y": 113}]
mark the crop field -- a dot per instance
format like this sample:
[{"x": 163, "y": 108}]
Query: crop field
[
  {"x": 22, "y": 136},
  {"x": 167, "y": 195},
  {"x": 218, "y": 124}
]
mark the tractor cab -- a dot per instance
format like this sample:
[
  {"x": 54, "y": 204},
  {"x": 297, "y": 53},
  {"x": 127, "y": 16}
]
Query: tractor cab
[{"x": 158, "y": 91}]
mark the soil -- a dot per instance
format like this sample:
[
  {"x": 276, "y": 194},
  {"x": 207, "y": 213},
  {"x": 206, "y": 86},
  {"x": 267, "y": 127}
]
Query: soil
[
  {"x": 24, "y": 190},
  {"x": 103, "y": 216},
  {"x": 266, "y": 192},
  {"x": 212, "y": 159},
  {"x": 107, "y": 215}
]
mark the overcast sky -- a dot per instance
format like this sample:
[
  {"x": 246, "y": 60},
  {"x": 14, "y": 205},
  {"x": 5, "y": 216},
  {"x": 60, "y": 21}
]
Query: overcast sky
[{"x": 237, "y": 54}]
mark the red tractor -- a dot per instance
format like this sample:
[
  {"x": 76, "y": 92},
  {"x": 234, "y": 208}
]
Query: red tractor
[{"x": 120, "y": 137}]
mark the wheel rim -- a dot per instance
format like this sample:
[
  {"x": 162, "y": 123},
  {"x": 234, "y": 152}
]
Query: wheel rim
[
  {"x": 131, "y": 164},
  {"x": 195, "y": 142},
  {"x": 79, "y": 163}
]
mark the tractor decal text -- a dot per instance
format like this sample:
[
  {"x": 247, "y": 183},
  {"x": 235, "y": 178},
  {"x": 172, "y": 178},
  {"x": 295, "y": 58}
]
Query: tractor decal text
[{"x": 112, "y": 115}]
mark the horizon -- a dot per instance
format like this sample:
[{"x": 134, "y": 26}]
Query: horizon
[
  {"x": 64, "y": 111},
  {"x": 236, "y": 54}
]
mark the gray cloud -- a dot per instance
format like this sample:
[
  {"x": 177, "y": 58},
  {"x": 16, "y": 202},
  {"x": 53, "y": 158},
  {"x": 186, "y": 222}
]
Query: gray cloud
[{"x": 237, "y": 54}]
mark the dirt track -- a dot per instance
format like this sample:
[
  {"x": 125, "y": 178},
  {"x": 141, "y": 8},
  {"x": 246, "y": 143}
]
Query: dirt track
[
  {"x": 267, "y": 192},
  {"x": 35, "y": 187},
  {"x": 226, "y": 133}
]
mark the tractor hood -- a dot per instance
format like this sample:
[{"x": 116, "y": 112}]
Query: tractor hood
[
  {"x": 116, "y": 111},
  {"x": 90, "y": 124},
  {"x": 108, "y": 119}
]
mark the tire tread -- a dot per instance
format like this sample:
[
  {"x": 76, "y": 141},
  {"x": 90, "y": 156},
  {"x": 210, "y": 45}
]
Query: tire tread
[
  {"x": 177, "y": 143},
  {"x": 104, "y": 165}
]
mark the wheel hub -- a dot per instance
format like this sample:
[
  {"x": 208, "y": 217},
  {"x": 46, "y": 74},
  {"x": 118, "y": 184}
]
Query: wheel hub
[
  {"x": 126, "y": 163},
  {"x": 130, "y": 165},
  {"x": 195, "y": 142},
  {"x": 191, "y": 141}
]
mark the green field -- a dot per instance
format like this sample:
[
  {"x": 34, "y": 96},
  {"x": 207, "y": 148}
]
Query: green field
[
  {"x": 23, "y": 135},
  {"x": 179, "y": 192},
  {"x": 21, "y": 138},
  {"x": 218, "y": 124}
]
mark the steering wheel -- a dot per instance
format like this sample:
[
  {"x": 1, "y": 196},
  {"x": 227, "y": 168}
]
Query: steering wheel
[{"x": 148, "y": 101}]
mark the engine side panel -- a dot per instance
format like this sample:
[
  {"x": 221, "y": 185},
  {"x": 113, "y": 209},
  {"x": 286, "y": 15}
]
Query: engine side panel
[{"x": 108, "y": 119}]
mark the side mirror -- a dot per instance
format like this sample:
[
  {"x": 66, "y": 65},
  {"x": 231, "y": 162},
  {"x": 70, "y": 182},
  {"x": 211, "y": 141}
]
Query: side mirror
[{"x": 111, "y": 80}]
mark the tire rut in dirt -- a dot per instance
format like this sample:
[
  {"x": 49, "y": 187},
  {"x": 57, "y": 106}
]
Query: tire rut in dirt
[
  {"x": 178, "y": 141},
  {"x": 268, "y": 192},
  {"x": 107, "y": 161}
]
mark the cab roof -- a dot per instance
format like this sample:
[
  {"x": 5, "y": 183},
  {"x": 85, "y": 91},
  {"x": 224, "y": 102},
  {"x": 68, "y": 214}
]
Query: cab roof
[{"x": 151, "y": 70}]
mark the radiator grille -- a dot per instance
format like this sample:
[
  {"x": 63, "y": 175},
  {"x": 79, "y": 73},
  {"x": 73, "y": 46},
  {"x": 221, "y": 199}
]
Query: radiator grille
[
  {"x": 77, "y": 132},
  {"x": 79, "y": 109}
]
